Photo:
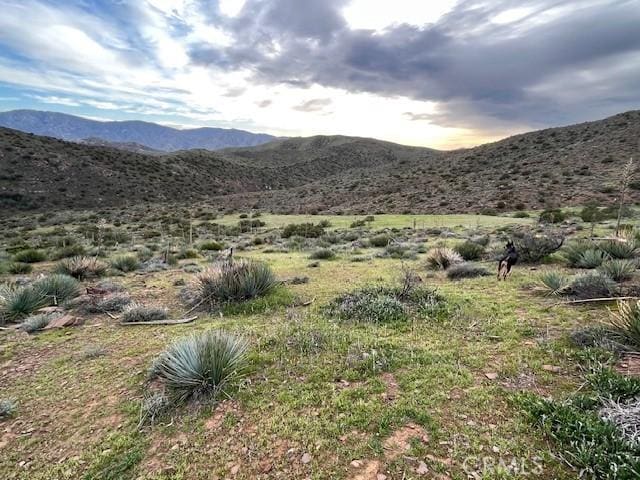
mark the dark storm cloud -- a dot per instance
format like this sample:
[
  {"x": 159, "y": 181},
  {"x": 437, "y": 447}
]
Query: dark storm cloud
[{"x": 478, "y": 71}]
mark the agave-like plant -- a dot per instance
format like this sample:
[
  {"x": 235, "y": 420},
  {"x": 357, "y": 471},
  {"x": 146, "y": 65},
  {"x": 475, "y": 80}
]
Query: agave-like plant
[
  {"x": 81, "y": 267},
  {"x": 234, "y": 282},
  {"x": 57, "y": 288},
  {"x": 203, "y": 365},
  {"x": 19, "y": 302},
  {"x": 125, "y": 263},
  {"x": 591, "y": 258},
  {"x": 555, "y": 283},
  {"x": 620, "y": 249},
  {"x": 573, "y": 252},
  {"x": 619, "y": 269},
  {"x": 591, "y": 285},
  {"x": 441, "y": 258},
  {"x": 626, "y": 321}
]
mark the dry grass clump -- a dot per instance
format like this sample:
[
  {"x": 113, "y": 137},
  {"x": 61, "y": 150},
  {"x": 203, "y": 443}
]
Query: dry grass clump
[
  {"x": 82, "y": 267},
  {"x": 441, "y": 258}
]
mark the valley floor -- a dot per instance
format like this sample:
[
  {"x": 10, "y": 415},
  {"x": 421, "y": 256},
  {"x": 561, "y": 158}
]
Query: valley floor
[{"x": 324, "y": 399}]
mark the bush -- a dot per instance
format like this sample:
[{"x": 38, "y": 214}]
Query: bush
[
  {"x": 554, "y": 282},
  {"x": 532, "y": 248},
  {"x": 619, "y": 250},
  {"x": 552, "y": 215},
  {"x": 591, "y": 285},
  {"x": 7, "y": 408},
  {"x": 114, "y": 302},
  {"x": 322, "y": 254},
  {"x": 626, "y": 321},
  {"x": 442, "y": 258},
  {"x": 135, "y": 313},
  {"x": 30, "y": 256},
  {"x": 18, "y": 268},
  {"x": 37, "y": 322},
  {"x": 74, "y": 250},
  {"x": 380, "y": 240},
  {"x": 19, "y": 302},
  {"x": 618, "y": 270},
  {"x": 81, "y": 267},
  {"x": 234, "y": 282},
  {"x": 125, "y": 263},
  {"x": 574, "y": 251},
  {"x": 591, "y": 258},
  {"x": 469, "y": 250},
  {"x": 466, "y": 270},
  {"x": 306, "y": 230},
  {"x": 203, "y": 365},
  {"x": 57, "y": 288}
]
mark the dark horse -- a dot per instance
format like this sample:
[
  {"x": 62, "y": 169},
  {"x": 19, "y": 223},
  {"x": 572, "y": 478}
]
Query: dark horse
[{"x": 507, "y": 261}]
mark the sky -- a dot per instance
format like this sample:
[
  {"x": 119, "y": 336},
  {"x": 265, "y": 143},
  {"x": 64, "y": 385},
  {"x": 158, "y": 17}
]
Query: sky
[{"x": 442, "y": 74}]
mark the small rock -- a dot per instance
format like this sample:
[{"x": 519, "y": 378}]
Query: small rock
[
  {"x": 306, "y": 458},
  {"x": 234, "y": 470},
  {"x": 422, "y": 469},
  {"x": 491, "y": 375},
  {"x": 381, "y": 476},
  {"x": 356, "y": 463},
  {"x": 551, "y": 368}
]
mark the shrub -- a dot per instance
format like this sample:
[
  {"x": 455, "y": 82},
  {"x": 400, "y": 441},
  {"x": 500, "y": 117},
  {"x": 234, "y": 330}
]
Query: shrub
[
  {"x": 591, "y": 258},
  {"x": 399, "y": 251},
  {"x": 7, "y": 408},
  {"x": 532, "y": 248},
  {"x": 619, "y": 250},
  {"x": 573, "y": 252},
  {"x": 234, "y": 282},
  {"x": 81, "y": 267},
  {"x": 57, "y": 288},
  {"x": 374, "y": 305},
  {"x": 552, "y": 215},
  {"x": 322, "y": 254},
  {"x": 153, "y": 407},
  {"x": 626, "y": 321},
  {"x": 30, "y": 256},
  {"x": 619, "y": 269},
  {"x": 380, "y": 240},
  {"x": 306, "y": 230},
  {"x": 202, "y": 365},
  {"x": 554, "y": 282},
  {"x": 442, "y": 258},
  {"x": 74, "y": 250},
  {"x": 466, "y": 270},
  {"x": 469, "y": 250},
  {"x": 37, "y": 322},
  {"x": 113, "y": 302},
  {"x": 19, "y": 302},
  {"x": 135, "y": 313},
  {"x": 18, "y": 268},
  {"x": 125, "y": 263},
  {"x": 591, "y": 285}
]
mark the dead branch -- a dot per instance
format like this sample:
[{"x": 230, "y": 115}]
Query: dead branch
[{"x": 161, "y": 322}]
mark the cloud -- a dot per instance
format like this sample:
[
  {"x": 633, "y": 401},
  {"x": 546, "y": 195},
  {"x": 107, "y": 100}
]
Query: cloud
[{"x": 314, "y": 105}]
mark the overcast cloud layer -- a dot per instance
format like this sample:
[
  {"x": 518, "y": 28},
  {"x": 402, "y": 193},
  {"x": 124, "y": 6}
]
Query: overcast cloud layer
[{"x": 445, "y": 75}]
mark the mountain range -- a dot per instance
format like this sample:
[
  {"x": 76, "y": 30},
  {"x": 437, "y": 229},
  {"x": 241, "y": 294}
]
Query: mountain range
[
  {"x": 562, "y": 166},
  {"x": 145, "y": 134}
]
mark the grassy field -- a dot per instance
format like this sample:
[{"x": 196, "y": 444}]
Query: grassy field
[{"x": 324, "y": 398}]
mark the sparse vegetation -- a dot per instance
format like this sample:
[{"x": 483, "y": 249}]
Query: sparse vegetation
[
  {"x": 125, "y": 263},
  {"x": 441, "y": 258},
  {"x": 82, "y": 267},
  {"x": 36, "y": 322},
  {"x": 30, "y": 256},
  {"x": 135, "y": 313}
]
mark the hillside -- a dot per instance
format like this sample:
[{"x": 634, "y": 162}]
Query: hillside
[
  {"x": 558, "y": 166},
  {"x": 154, "y": 136}
]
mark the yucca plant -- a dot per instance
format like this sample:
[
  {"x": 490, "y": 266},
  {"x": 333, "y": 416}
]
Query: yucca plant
[
  {"x": 619, "y": 249},
  {"x": 140, "y": 313},
  {"x": 125, "y": 263},
  {"x": 591, "y": 285},
  {"x": 82, "y": 267},
  {"x": 441, "y": 258},
  {"x": 555, "y": 283},
  {"x": 18, "y": 268},
  {"x": 204, "y": 365},
  {"x": 30, "y": 255},
  {"x": 591, "y": 258},
  {"x": 7, "y": 408},
  {"x": 626, "y": 321},
  {"x": 57, "y": 288},
  {"x": 618, "y": 269},
  {"x": 19, "y": 302},
  {"x": 234, "y": 282},
  {"x": 573, "y": 252}
]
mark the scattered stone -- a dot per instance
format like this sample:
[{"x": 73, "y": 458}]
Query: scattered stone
[
  {"x": 491, "y": 375},
  {"x": 306, "y": 458},
  {"x": 422, "y": 469},
  {"x": 63, "y": 321},
  {"x": 551, "y": 368}
]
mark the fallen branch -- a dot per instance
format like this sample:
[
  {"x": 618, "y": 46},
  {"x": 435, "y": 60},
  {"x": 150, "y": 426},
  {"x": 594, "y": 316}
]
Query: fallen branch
[
  {"x": 161, "y": 322},
  {"x": 594, "y": 300}
]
